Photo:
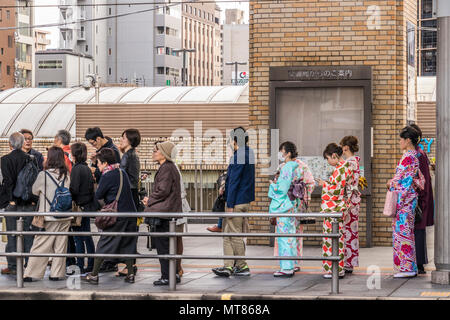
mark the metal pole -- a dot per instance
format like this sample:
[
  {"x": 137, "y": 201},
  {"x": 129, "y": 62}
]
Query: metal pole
[
  {"x": 195, "y": 186},
  {"x": 172, "y": 262},
  {"x": 183, "y": 75},
  {"x": 235, "y": 73},
  {"x": 335, "y": 251},
  {"x": 201, "y": 187},
  {"x": 19, "y": 247},
  {"x": 442, "y": 225}
]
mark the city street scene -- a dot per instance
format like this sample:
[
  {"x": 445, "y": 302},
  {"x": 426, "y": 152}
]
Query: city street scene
[{"x": 225, "y": 150}]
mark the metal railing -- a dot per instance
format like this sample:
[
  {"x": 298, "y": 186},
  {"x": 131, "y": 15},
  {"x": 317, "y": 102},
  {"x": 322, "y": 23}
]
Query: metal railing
[{"x": 172, "y": 256}]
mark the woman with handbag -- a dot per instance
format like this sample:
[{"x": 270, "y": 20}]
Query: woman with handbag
[
  {"x": 82, "y": 190},
  {"x": 282, "y": 203},
  {"x": 405, "y": 263},
  {"x": 114, "y": 189},
  {"x": 333, "y": 201},
  {"x": 350, "y": 146},
  {"x": 55, "y": 176}
]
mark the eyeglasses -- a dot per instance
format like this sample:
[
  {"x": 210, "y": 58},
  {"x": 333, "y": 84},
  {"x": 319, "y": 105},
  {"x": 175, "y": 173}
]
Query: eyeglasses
[{"x": 28, "y": 139}]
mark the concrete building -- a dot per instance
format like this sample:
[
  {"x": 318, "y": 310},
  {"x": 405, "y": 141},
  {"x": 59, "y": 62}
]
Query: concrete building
[
  {"x": 40, "y": 40},
  {"x": 426, "y": 39},
  {"x": 24, "y": 45},
  {"x": 201, "y": 31},
  {"x": 57, "y": 68},
  {"x": 235, "y": 48},
  {"x": 7, "y": 45},
  {"x": 140, "y": 47},
  {"x": 85, "y": 37}
]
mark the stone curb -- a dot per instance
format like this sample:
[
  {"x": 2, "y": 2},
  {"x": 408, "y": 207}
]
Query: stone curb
[{"x": 27, "y": 294}]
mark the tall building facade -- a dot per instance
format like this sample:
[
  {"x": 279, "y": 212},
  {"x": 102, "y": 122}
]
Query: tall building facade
[
  {"x": 24, "y": 44},
  {"x": 426, "y": 39},
  {"x": 7, "y": 45},
  {"x": 141, "y": 47},
  {"x": 40, "y": 40},
  {"x": 82, "y": 36},
  {"x": 201, "y": 31},
  {"x": 235, "y": 48}
]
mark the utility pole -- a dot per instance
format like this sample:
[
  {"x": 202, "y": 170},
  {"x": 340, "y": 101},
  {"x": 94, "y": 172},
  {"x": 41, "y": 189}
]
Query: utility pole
[
  {"x": 184, "y": 71},
  {"x": 442, "y": 214},
  {"x": 235, "y": 63}
]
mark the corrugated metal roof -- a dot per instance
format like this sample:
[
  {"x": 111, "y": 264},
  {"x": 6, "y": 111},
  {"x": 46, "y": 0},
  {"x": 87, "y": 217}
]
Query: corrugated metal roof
[{"x": 45, "y": 111}]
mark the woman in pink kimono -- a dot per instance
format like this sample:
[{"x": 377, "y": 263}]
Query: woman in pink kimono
[
  {"x": 407, "y": 172},
  {"x": 349, "y": 145}
]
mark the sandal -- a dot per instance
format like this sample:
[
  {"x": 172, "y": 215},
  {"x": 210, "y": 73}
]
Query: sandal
[{"x": 124, "y": 272}]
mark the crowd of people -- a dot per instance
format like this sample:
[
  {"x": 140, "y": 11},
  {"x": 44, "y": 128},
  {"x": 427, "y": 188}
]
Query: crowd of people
[{"x": 63, "y": 181}]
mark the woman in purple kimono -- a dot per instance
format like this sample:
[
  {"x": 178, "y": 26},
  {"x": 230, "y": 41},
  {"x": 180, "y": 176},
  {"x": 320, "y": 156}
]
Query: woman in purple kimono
[
  {"x": 405, "y": 263},
  {"x": 426, "y": 203}
]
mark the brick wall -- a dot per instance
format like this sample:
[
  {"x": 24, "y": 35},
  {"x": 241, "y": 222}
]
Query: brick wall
[{"x": 330, "y": 33}]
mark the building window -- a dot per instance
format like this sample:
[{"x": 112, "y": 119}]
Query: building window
[
  {"x": 50, "y": 85},
  {"x": 2, "y": 51},
  {"x": 50, "y": 64},
  {"x": 160, "y": 50},
  {"x": 109, "y": 51},
  {"x": 8, "y": 14},
  {"x": 8, "y": 70},
  {"x": 109, "y": 71},
  {"x": 96, "y": 69},
  {"x": 199, "y": 13},
  {"x": 160, "y": 70},
  {"x": 10, "y": 42},
  {"x": 427, "y": 9},
  {"x": 160, "y": 30},
  {"x": 190, "y": 9},
  {"x": 96, "y": 29},
  {"x": 87, "y": 48},
  {"x": 109, "y": 31},
  {"x": 110, "y": 11},
  {"x": 195, "y": 11},
  {"x": 1, "y": 14},
  {"x": 429, "y": 62}
]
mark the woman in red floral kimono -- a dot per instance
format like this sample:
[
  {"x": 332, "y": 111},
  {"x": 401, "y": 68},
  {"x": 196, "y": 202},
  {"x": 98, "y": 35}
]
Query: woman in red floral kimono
[{"x": 349, "y": 145}]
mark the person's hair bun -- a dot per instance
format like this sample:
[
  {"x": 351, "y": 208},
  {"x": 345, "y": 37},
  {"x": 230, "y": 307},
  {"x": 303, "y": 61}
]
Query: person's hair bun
[{"x": 351, "y": 142}]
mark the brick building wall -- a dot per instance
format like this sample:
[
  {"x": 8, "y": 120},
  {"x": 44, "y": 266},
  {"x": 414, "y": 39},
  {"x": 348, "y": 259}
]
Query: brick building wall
[{"x": 336, "y": 33}]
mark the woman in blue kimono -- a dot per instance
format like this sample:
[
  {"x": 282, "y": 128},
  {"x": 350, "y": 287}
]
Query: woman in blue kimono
[{"x": 278, "y": 192}]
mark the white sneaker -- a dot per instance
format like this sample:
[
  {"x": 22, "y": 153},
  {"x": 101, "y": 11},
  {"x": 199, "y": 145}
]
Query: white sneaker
[
  {"x": 411, "y": 274},
  {"x": 283, "y": 273},
  {"x": 330, "y": 276}
]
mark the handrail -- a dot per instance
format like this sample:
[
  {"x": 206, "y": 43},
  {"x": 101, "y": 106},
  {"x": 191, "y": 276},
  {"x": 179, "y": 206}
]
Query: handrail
[{"x": 172, "y": 256}]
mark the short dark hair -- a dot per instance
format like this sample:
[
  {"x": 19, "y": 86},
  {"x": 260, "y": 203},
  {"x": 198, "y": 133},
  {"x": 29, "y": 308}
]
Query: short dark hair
[
  {"x": 134, "y": 136},
  {"x": 79, "y": 151},
  {"x": 416, "y": 127},
  {"x": 289, "y": 147},
  {"x": 409, "y": 132},
  {"x": 237, "y": 134},
  {"x": 331, "y": 149},
  {"x": 107, "y": 155},
  {"x": 26, "y": 131},
  {"x": 351, "y": 142},
  {"x": 93, "y": 133},
  {"x": 56, "y": 160}
]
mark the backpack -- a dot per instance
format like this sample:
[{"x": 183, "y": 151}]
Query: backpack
[
  {"x": 26, "y": 178},
  {"x": 62, "y": 200}
]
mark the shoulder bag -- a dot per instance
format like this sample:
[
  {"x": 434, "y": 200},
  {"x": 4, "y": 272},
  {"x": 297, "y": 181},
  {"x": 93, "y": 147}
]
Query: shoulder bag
[
  {"x": 390, "y": 205},
  {"x": 105, "y": 222}
]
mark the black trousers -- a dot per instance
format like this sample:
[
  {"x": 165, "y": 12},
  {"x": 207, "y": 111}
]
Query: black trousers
[
  {"x": 421, "y": 246},
  {"x": 162, "y": 247}
]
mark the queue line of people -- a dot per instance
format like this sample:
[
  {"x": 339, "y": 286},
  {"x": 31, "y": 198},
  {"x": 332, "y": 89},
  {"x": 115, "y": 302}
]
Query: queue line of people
[{"x": 289, "y": 191}]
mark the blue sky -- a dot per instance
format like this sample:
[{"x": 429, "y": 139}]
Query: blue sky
[{"x": 51, "y": 15}]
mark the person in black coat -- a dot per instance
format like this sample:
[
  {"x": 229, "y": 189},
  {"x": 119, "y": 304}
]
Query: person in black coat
[
  {"x": 82, "y": 190},
  {"x": 130, "y": 140},
  {"x": 11, "y": 165},
  {"x": 28, "y": 148},
  {"x": 108, "y": 190}
]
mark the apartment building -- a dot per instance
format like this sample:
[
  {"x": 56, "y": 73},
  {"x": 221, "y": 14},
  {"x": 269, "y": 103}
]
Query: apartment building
[{"x": 7, "y": 46}]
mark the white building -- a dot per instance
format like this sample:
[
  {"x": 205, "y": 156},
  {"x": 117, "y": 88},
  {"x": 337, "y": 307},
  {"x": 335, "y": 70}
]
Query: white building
[{"x": 62, "y": 68}]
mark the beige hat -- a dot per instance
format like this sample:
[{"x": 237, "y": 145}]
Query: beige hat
[{"x": 168, "y": 149}]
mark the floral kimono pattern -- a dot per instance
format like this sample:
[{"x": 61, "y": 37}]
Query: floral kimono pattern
[
  {"x": 403, "y": 223},
  {"x": 281, "y": 203},
  {"x": 333, "y": 201},
  {"x": 351, "y": 215}
]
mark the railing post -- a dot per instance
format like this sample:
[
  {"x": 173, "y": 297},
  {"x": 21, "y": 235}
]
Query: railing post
[
  {"x": 172, "y": 251},
  {"x": 19, "y": 249},
  {"x": 335, "y": 251}
]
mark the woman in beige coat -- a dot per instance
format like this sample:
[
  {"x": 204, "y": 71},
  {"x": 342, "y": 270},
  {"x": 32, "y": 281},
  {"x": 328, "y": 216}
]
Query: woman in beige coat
[{"x": 45, "y": 188}]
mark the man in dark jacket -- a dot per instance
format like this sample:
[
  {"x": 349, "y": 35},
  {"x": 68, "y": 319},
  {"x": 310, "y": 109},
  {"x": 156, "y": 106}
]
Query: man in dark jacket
[
  {"x": 11, "y": 165},
  {"x": 239, "y": 192},
  {"x": 166, "y": 197},
  {"x": 95, "y": 137},
  {"x": 28, "y": 148}
]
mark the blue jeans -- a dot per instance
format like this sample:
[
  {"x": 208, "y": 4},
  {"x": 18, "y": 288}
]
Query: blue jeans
[
  {"x": 84, "y": 244},
  {"x": 219, "y": 223}
]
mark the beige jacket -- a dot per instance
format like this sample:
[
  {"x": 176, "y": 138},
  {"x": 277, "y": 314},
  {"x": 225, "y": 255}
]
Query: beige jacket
[{"x": 39, "y": 190}]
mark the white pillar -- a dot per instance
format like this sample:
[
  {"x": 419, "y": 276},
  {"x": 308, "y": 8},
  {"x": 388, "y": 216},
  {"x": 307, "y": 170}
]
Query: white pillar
[{"x": 442, "y": 215}]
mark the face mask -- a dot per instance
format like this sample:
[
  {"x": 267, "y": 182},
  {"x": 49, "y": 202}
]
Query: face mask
[{"x": 281, "y": 157}]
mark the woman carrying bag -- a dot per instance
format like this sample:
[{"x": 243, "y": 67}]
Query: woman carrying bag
[{"x": 114, "y": 189}]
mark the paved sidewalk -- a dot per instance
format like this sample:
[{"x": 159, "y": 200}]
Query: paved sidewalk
[{"x": 198, "y": 282}]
